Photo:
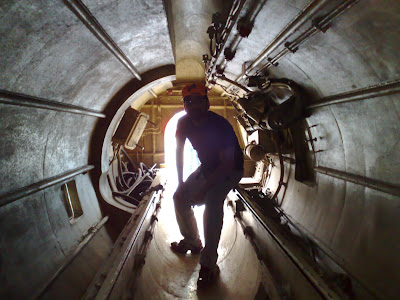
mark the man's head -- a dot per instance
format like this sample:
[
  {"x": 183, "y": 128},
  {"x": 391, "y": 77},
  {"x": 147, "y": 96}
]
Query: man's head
[{"x": 195, "y": 100}]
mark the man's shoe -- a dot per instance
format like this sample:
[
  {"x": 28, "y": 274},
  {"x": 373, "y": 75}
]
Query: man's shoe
[
  {"x": 183, "y": 247},
  {"x": 207, "y": 276}
]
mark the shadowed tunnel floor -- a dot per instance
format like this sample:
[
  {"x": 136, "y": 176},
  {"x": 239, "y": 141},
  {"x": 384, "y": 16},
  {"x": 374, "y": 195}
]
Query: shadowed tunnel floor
[{"x": 167, "y": 275}]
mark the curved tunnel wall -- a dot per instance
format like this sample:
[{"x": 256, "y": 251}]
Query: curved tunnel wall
[
  {"x": 47, "y": 52},
  {"x": 354, "y": 223}
]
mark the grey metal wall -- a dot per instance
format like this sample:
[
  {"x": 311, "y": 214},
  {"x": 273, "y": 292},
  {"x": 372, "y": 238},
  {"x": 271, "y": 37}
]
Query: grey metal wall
[
  {"x": 356, "y": 224},
  {"x": 48, "y": 52}
]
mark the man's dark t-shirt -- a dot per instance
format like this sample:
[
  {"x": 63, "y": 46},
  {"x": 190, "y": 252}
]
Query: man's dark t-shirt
[{"x": 208, "y": 139}]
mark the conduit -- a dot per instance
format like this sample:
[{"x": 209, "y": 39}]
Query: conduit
[{"x": 230, "y": 23}]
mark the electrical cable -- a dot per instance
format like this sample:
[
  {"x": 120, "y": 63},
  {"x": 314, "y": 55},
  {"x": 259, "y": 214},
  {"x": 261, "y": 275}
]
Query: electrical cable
[{"x": 282, "y": 171}]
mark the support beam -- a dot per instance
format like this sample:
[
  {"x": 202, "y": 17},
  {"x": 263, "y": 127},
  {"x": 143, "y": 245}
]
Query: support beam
[
  {"x": 11, "y": 98},
  {"x": 83, "y": 13},
  {"x": 41, "y": 185},
  {"x": 361, "y": 180},
  {"x": 383, "y": 89},
  {"x": 149, "y": 106},
  {"x": 189, "y": 46}
]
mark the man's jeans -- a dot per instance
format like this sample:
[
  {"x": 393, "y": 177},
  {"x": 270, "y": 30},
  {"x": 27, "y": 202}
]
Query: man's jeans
[{"x": 213, "y": 213}]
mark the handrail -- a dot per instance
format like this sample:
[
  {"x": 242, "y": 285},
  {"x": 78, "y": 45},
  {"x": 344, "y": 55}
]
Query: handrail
[
  {"x": 83, "y": 13},
  {"x": 361, "y": 180},
  {"x": 12, "y": 196},
  {"x": 307, "y": 13},
  {"x": 383, "y": 89},
  {"x": 107, "y": 276},
  {"x": 12, "y": 98}
]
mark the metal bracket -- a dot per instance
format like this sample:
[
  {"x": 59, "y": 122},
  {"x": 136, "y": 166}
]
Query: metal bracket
[
  {"x": 290, "y": 48},
  {"x": 139, "y": 261},
  {"x": 220, "y": 70},
  {"x": 317, "y": 25},
  {"x": 206, "y": 58},
  {"x": 229, "y": 54},
  {"x": 272, "y": 63},
  {"x": 153, "y": 219},
  {"x": 311, "y": 140},
  {"x": 244, "y": 27}
]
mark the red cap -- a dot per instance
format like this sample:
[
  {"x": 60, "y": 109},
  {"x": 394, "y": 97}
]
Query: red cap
[{"x": 194, "y": 89}]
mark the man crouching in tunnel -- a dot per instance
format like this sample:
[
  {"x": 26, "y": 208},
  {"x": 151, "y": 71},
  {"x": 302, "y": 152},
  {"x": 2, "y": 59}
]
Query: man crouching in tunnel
[{"x": 221, "y": 169}]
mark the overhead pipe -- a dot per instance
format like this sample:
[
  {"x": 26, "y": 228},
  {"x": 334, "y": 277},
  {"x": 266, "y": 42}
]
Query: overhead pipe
[
  {"x": 83, "y": 13},
  {"x": 239, "y": 36},
  {"x": 224, "y": 78},
  {"x": 306, "y": 14},
  {"x": 234, "y": 13},
  {"x": 318, "y": 25},
  {"x": 361, "y": 180},
  {"x": 41, "y": 185},
  {"x": 383, "y": 89},
  {"x": 11, "y": 98}
]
